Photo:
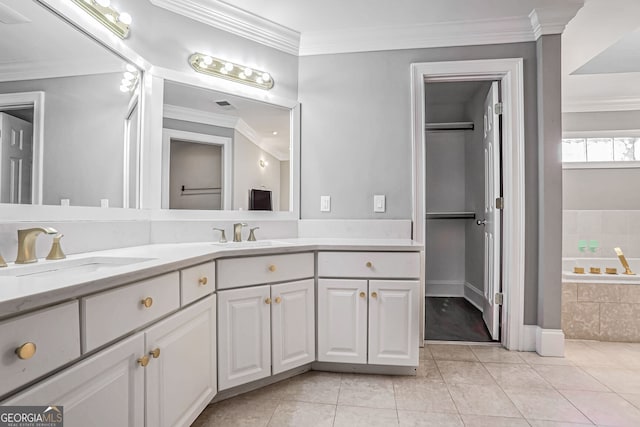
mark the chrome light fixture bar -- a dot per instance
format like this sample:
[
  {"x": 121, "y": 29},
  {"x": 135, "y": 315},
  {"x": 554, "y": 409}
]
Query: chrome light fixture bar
[
  {"x": 102, "y": 11},
  {"x": 230, "y": 71}
]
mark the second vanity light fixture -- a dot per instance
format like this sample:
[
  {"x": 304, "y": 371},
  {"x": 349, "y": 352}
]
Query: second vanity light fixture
[
  {"x": 230, "y": 71},
  {"x": 130, "y": 79},
  {"x": 101, "y": 10}
]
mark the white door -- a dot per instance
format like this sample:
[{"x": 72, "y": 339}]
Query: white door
[
  {"x": 492, "y": 216},
  {"x": 293, "y": 326},
  {"x": 16, "y": 159},
  {"x": 244, "y": 336},
  {"x": 181, "y": 374},
  {"x": 342, "y": 321},
  {"x": 394, "y": 307},
  {"x": 104, "y": 390}
]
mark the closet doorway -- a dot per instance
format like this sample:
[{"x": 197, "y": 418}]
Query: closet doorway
[
  {"x": 463, "y": 224},
  {"x": 508, "y": 316}
]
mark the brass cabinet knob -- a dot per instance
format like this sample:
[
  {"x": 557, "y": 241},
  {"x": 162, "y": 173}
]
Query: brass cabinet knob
[
  {"x": 26, "y": 351},
  {"x": 203, "y": 281},
  {"x": 278, "y": 300},
  {"x": 369, "y": 264},
  {"x": 147, "y": 302},
  {"x": 143, "y": 361},
  {"x": 272, "y": 268},
  {"x": 374, "y": 295},
  {"x": 362, "y": 295},
  {"x": 155, "y": 353},
  {"x": 267, "y": 301}
]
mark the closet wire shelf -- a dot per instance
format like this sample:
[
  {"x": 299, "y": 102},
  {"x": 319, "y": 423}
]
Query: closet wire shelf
[{"x": 435, "y": 127}]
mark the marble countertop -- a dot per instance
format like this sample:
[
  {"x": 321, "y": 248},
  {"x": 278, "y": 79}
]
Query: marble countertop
[{"x": 20, "y": 293}]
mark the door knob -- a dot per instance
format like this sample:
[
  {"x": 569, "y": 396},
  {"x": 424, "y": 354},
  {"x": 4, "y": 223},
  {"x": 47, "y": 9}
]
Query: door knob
[{"x": 481, "y": 222}]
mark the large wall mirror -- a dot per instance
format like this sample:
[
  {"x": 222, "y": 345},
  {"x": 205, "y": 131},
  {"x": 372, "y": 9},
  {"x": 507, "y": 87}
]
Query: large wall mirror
[
  {"x": 224, "y": 152},
  {"x": 69, "y": 114}
]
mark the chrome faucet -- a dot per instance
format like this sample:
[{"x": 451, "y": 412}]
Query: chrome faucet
[
  {"x": 237, "y": 231},
  {"x": 27, "y": 243},
  {"x": 223, "y": 237}
]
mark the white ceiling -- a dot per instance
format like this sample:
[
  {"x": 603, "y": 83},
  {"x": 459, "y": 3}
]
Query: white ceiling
[{"x": 46, "y": 46}]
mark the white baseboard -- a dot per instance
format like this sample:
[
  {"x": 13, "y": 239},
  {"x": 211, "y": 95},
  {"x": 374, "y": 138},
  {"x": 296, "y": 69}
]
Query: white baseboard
[
  {"x": 444, "y": 288},
  {"x": 550, "y": 342},
  {"x": 474, "y": 295}
]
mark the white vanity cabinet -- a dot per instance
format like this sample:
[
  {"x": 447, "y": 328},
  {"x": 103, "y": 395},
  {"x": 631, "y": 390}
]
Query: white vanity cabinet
[
  {"x": 373, "y": 319},
  {"x": 264, "y": 330},
  {"x": 105, "y": 390}
]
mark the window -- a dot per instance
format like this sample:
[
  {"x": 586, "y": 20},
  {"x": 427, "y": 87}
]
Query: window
[{"x": 603, "y": 149}]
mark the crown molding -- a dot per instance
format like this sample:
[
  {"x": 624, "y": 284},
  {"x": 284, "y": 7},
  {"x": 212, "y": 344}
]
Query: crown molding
[
  {"x": 440, "y": 34},
  {"x": 547, "y": 20},
  {"x": 601, "y": 104},
  {"x": 36, "y": 69},
  {"x": 236, "y": 21},
  {"x": 222, "y": 120}
]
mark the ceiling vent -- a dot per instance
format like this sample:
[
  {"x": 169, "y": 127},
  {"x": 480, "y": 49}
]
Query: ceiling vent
[
  {"x": 225, "y": 105},
  {"x": 10, "y": 16}
]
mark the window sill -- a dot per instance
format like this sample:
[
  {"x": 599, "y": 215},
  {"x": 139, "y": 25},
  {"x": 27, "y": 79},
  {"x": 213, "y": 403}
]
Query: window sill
[{"x": 601, "y": 165}]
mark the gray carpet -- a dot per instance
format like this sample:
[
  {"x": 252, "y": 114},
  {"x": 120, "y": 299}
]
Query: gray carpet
[{"x": 454, "y": 319}]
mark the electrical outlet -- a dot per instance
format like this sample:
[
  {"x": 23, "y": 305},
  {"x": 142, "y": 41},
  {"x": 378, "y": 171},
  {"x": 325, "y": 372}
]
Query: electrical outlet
[
  {"x": 379, "y": 203},
  {"x": 325, "y": 203}
]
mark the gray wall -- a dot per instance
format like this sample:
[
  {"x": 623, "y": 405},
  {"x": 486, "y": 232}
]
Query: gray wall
[
  {"x": 356, "y": 136},
  {"x": 601, "y": 120},
  {"x": 248, "y": 174},
  {"x": 83, "y": 137},
  {"x": 474, "y": 189},
  {"x": 285, "y": 184},
  {"x": 195, "y": 166}
]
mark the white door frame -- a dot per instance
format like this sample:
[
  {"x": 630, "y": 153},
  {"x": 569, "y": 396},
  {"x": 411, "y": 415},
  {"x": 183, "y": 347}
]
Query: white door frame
[
  {"x": 134, "y": 103},
  {"x": 35, "y": 99},
  {"x": 199, "y": 138},
  {"x": 509, "y": 72}
]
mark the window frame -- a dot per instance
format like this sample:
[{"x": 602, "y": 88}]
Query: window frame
[{"x": 615, "y": 164}]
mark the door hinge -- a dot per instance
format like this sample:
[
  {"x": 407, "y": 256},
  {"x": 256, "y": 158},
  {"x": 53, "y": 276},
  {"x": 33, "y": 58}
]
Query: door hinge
[
  {"x": 498, "y": 108},
  {"x": 500, "y": 203},
  {"x": 499, "y": 298}
]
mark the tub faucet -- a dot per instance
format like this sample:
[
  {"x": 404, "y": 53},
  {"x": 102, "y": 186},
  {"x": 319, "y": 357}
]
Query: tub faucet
[
  {"x": 623, "y": 261},
  {"x": 237, "y": 231},
  {"x": 27, "y": 243}
]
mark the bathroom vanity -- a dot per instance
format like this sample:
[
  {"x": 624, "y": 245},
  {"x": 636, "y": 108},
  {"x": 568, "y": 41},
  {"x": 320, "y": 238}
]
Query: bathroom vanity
[{"x": 152, "y": 341}]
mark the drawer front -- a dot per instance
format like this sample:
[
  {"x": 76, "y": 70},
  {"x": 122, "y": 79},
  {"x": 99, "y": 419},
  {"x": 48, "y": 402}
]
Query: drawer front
[
  {"x": 111, "y": 314},
  {"x": 369, "y": 264},
  {"x": 197, "y": 282},
  {"x": 55, "y": 332},
  {"x": 237, "y": 272}
]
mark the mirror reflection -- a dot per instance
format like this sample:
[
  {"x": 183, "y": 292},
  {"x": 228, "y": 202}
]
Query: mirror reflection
[
  {"x": 224, "y": 152},
  {"x": 69, "y": 114}
]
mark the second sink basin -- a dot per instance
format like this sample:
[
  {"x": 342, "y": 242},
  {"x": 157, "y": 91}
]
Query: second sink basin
[{"x": 68, "y": 266}]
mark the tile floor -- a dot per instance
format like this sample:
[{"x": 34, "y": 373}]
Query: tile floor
[{"x": 597, "y": 383}]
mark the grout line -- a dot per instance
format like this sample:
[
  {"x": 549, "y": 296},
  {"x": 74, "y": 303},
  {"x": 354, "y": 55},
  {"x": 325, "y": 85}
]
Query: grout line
[{"x": 577, "y": 409}]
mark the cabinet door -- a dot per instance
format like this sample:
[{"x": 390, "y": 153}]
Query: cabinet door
[
  {"x": 293, "y": 332},
  {"x": 104, "y": 390},
  {"x": 244, "y": 336},
  {"x": 181, "y": 380},
  {"x": 342, "y": 321},
  {"x": 394, "y": 310}
]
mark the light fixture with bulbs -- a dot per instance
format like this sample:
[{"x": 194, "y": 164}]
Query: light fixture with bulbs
[
  {"x": 130, "y": 79},
  {"x": 101, "y": 10},
  {"x": 230, "y": 71}
]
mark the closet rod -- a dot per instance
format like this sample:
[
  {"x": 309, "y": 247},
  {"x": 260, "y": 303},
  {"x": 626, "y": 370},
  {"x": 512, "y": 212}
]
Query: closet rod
[
  {"x": 449, "y": 126},
  {"x": 451, "y": 215}
]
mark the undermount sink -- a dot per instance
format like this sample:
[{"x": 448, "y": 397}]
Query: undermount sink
[
  {"x": 68, "y": 266},
  {"x": 247, "y": 244}
]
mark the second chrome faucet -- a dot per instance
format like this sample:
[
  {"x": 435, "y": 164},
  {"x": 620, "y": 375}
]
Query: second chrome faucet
[{"x": 27, "y": 243}]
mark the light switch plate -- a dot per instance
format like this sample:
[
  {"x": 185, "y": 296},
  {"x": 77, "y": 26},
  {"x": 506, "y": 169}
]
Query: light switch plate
[
  {"x": 379, "y": 203},
  {"x": 325, "y": 203}
]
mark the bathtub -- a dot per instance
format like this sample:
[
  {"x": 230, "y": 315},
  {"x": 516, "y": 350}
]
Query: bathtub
[
  {"x": 604, "y": 307},
  {"x": 569, "y": 276}
]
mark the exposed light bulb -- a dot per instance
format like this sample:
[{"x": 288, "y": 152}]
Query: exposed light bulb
[
  {"x": 228, "y": 66},
  {"x": 242, "y": 76},
  {"x": 224, "y": 71},
  {"x": 207, "y": 60},
  {"x": 129, "y": 75},
  {"x": 130, "y": 68},
  {"x": 259, "y": 80},
  {"x": 125, "y": 82},
  {"x": 104, "y": 3},
  {"x": 125, "y": 18},
  {"x": 248, "y": 71},
  {"x": 110, "y": 17},
  {"x": 266, "y": 77},
  {"x": 202, "y": 64},
  {"x": 124, "y": 88},
  {"x": 275, "y": 132}
]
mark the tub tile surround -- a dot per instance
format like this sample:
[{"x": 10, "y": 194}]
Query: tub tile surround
[
  {"x": 610, "y": 228},
  {"x": 579, "y": 392},
  {"x": 601, "y": 311}
]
